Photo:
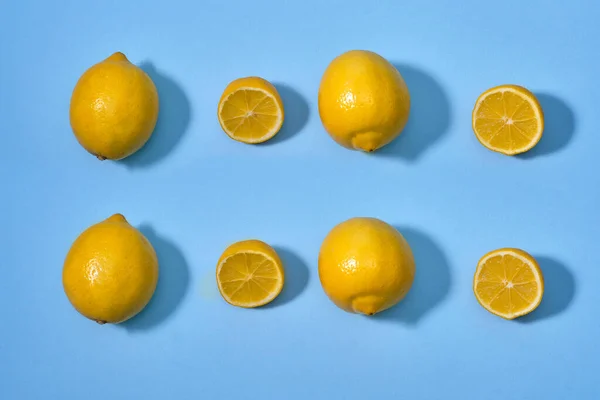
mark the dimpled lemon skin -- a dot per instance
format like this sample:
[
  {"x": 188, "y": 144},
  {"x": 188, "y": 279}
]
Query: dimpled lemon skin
[
  {"x": 365, "y": 266},
  {"x": 363, "y": 101},
  {"x": 114, "y": 108},
  {"x": 110, "y": 272}
]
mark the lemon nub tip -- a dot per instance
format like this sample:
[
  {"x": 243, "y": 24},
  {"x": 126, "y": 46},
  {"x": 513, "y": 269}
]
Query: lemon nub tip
[
  {"x": 367, "y": 141},
  {"x": 117, "y": 218},
  {"x": 367, "y": 305},
  {"x": 118, "y": 56}
]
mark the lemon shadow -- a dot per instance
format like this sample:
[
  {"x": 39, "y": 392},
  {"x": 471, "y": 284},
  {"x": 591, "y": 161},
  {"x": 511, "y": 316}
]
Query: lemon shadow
[
  {"x": 174, "y": 117},
  {"x": 559, "y": 127},
  {"x": 173, "y": 284},
  {"x": 296, "y": 277},
  {"x": 296, "y": 112},
  {"x": 559, "y": 290},
  {"x": 429, "y": 117},
  {"x": 431, "y": 285}
]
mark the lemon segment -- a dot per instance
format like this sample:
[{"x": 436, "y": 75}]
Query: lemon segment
[
  {"x": 250, "y": 274},
  {"x": 251, "y": 110},
  {"x": 508, "y": 283},
  {"x": 508, "y": 119}
]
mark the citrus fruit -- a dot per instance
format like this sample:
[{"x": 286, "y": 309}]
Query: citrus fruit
[
  {"x": 508, "y": 119},
  {"x": 365, "y": 266},
  {"x": 363, "y": 101},
  {"x": 114, "y": 108},
  {"x": 249, "y": 274},
  {"x": 250, "y": 110},
  {"x": 508, "y": 283},
  {"x": 110, "y": 272}
]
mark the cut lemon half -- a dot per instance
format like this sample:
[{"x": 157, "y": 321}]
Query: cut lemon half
[
  {"x": 250, "y": 110},
  {"x": 250, "y": 274},
  {"x": 508, "y": 283},
  {"x": 508, "y": 119}
]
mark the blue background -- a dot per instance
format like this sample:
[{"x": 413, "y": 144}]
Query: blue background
[{"x": 193, "y": 191}]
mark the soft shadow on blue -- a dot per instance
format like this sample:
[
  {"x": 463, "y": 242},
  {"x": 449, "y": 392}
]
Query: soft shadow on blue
[
  {"x": 296, "y": 277},
  {"x": 559, "y": 127},
  {"x": 173, "y": 120},
  {"x": 429, "y": 118},
  {"x": 173, "y": 284},
  {"x": 559, "y": 290},
  {"x": 431, "y": 285},
  {"x": 296, "y": 111}
]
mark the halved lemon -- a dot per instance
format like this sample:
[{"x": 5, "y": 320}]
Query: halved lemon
[
  {"x": 508, "y": 119},
  {"x": 250, "y": 110},
  {"x": 508, "y": 283},
  {"x": 250, "y": 274}
]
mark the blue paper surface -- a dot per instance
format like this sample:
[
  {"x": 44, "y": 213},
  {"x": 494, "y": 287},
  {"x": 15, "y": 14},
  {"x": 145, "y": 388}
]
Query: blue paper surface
[{"x": 193, "y": 191}]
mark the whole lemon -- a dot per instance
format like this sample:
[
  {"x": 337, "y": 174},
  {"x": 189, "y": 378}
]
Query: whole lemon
[
  {"x": 363, "y": 100},
  {"x": 114, "y": 108},
  {"x": 365, "y": 266},
  {"x": 110, "y": 272}
]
